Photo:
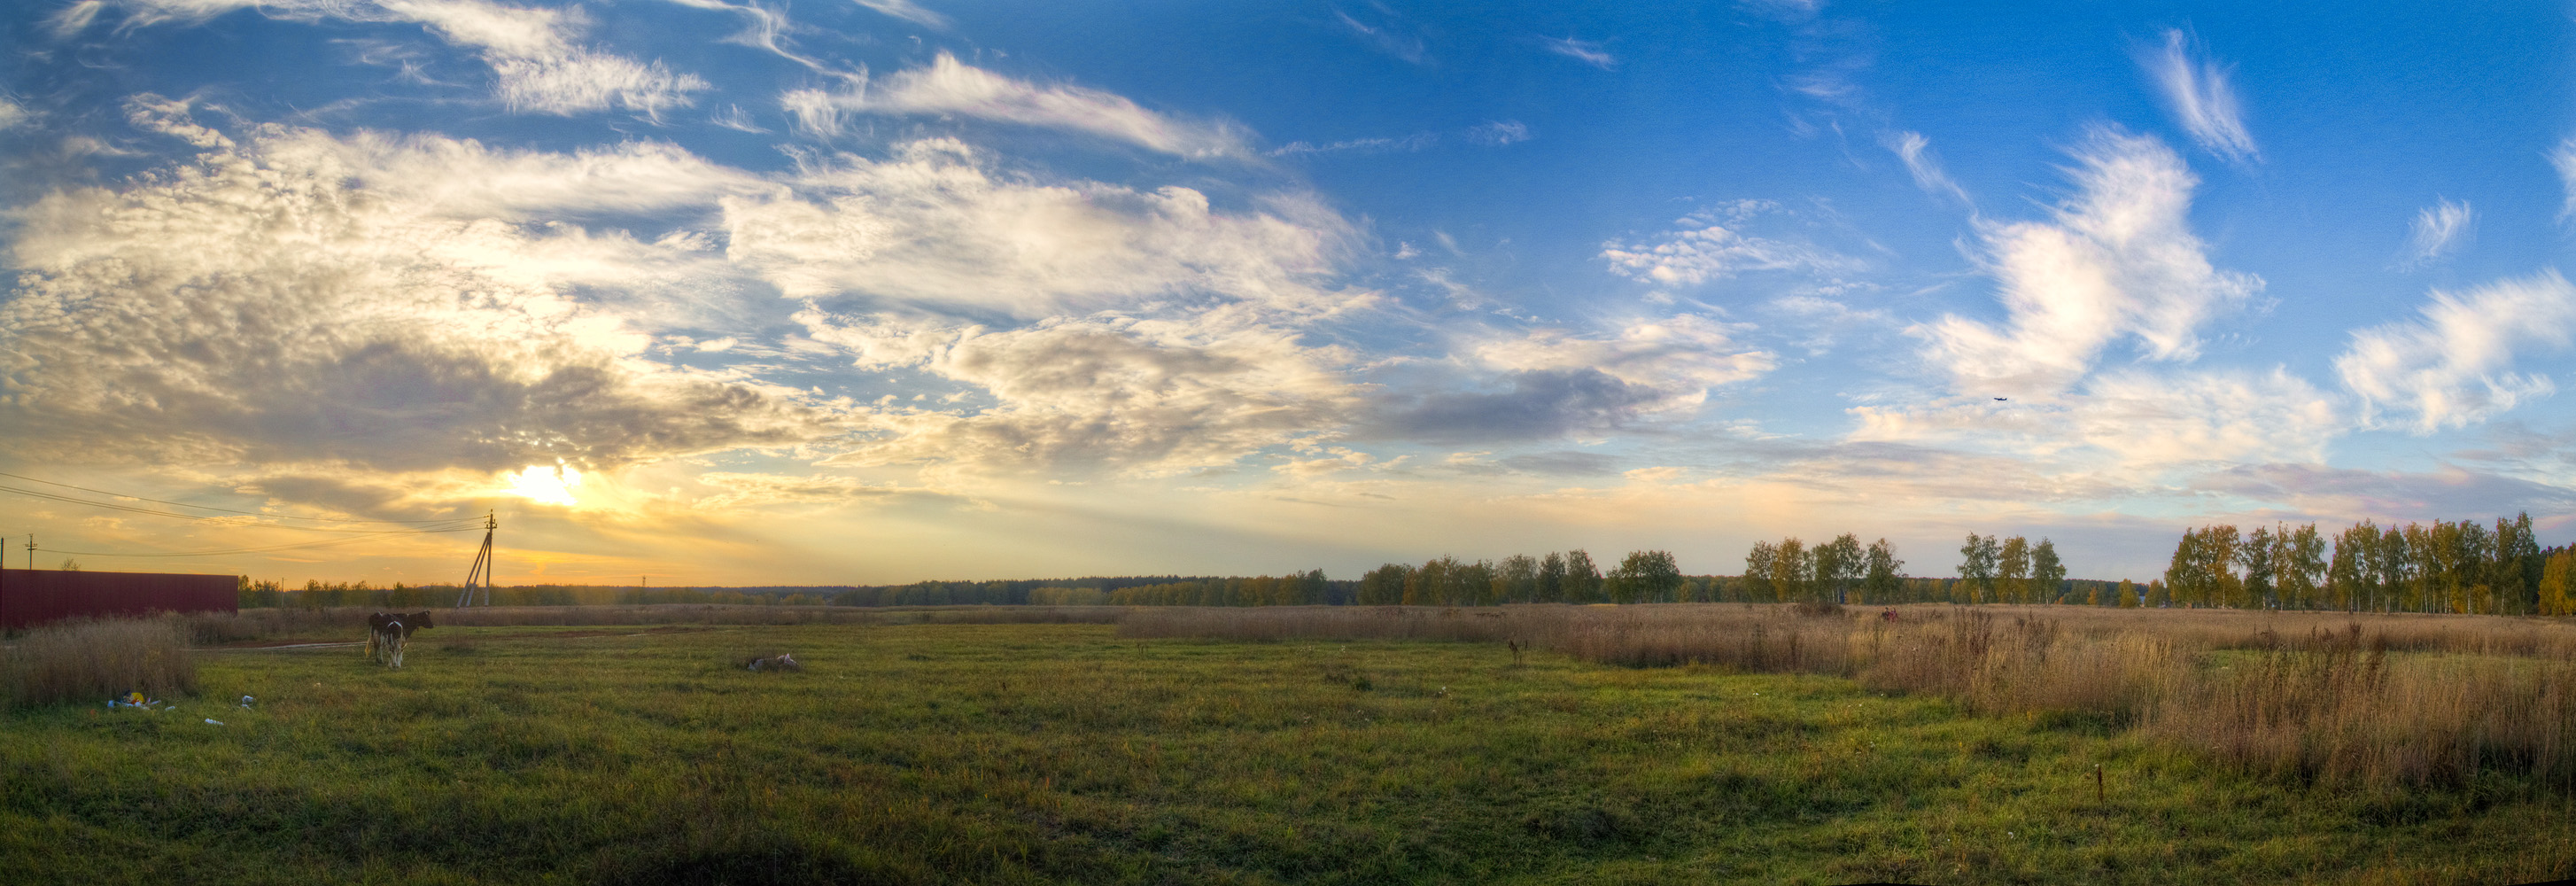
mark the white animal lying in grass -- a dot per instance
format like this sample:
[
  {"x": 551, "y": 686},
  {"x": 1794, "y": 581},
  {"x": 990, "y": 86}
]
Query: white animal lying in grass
[{"x": 782, "y": 662}]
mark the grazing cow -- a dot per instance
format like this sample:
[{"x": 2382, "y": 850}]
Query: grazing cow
[
  {"x": 396, "y": 628},
  {"x": 375, "y": 633}
]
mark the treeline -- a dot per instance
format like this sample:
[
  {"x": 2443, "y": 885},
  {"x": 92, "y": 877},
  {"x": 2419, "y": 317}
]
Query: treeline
[
  {"x": 1567, "y": 577},
  {"x": 2462, "y": 567}
]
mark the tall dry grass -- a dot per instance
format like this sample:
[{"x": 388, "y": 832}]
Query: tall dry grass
[
  {"x": 92, "y": 661},
  {"x": 2339, "y": 698}
]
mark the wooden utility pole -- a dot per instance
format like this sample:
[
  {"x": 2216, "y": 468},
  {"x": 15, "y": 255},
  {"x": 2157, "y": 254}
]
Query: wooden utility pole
[{"x": 482, "y": 568}]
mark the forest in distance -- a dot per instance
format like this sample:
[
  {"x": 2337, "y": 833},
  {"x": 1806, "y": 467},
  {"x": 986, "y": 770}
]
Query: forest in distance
[{"x": 2457, "y": 567}]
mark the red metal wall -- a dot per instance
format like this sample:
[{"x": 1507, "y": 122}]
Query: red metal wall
[{"x": 35, "y": 596}]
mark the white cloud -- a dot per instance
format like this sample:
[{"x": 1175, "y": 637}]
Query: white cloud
[
  {"x": 743, "y": 490},
  {"x": 2127, "y": 426},
  {"x": 2438, "y": 230},
  {"x": 1686, "y": 354},
  {"x": 1916, "y": 152},
  {"x": 2452, "y": 367},
  {"x": 2221, "y": 416},
  {"x": 733, "y": 117},
  {"x": 2202, "y": 101},
  {"x": 1415, "y": 142},
  {"x": 908, "y": 11},
  {"x": 266, "y": 305},
  {"x": 12, "y": 114},
  {"x": 538, "y": 68},
  {"x": 1499, "y": 132},
  {"x": 935, "y": 227},
  {"x": 74, "y": 18},
  {"x": 535, "y": 64},
  {"x": 1550, "y": 384},
  {"x": 1585, "y": 51},
  {"x": 1105, "y": 392},
  {"x": 2116, "y": 260},
  {"x": 1710, "y": 245},
  {"x": 461, "y": 178},
  {"x": 1387, "y": 38},
  {"x": 950, "y": 87}
]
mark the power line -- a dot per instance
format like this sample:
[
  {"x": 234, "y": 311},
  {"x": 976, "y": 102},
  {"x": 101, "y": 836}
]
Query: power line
[
  {"x": 296, "y": 546},
  {"x": 48, "y": 496},
  {"x": 212, "y": 507}
]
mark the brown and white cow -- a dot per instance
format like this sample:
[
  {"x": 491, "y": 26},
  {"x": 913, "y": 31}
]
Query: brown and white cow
[{"x": 387, "y": 631}]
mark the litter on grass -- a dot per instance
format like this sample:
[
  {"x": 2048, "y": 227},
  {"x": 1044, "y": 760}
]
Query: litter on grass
[
  {"x": 135, "y": 700},
  {"x": 214, "y": 722}
]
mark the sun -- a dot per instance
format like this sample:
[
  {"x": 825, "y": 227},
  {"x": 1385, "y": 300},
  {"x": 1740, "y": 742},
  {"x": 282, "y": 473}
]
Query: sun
[{"x": 547, "y": 485}]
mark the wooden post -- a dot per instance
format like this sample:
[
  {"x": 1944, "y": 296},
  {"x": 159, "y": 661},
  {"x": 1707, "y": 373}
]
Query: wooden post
[{"x": 2097, "y": 782}]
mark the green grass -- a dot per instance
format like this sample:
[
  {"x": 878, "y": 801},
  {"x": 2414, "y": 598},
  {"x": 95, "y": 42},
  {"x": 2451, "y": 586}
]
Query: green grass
[{"x": 1062, "y": 753}]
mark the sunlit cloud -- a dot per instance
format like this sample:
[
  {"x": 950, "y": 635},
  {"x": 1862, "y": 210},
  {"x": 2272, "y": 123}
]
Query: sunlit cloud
[
  {"x": 2197, "y": 90},
  {"x": 1916, "y": 152},
  {"x": 1711, "y": 244},
  {"x": 2117, "y": 260},
  {"x": 947, "y": 86},
  {"x": 1585, "y": 51},
  {"x": 546, "y": 485},
  {"x": 2453, "y": 365},
  {"x": 2438, "y": 231}
]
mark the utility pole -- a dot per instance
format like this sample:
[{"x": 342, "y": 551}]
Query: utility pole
[
  {"x": 31, "y": 550},
  {"x": 482, "y": 567}
]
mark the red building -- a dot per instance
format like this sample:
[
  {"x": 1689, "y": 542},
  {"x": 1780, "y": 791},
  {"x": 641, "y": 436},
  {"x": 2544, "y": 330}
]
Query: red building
[{"x": 35, "y": 596}]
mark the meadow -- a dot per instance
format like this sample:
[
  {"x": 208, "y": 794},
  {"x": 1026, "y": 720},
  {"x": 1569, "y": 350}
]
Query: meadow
[{"x": 1639, "y": 744}]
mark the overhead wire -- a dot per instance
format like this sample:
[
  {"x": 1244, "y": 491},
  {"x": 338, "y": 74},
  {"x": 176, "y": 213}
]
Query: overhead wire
[
  {"x": 357, "y": 536},
  {"x": 297, "y": 546},
  {"x": 48, "y": 496},
  {"x": 214, "y": 508}
]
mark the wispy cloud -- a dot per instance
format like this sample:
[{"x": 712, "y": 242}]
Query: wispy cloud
[
  {"x": 1103, "y": 393},
  {"x": 2439, "y": 230},
  {"x": 535, "y": 64},
  {"x": 1387, "y": 37},
  {"x": 1921, "y": 163},
  {"x": 947, "y": 86},
  {"x": 937, "y": 226},
  {"x": 1585, "y": 51},
  {"x": 2197, "y": 91},
  {"x": 2118, "y": 259},
  {"x": 2564, "y": 158},
  {"x": 2452, "y": 367},
  {"x": 1498, "y": 132},
  {"x": 733, "y": 117},
  {"x": 1711, "y": 244},
  {"x": 908, "y": 11},
  {"x": 74, "y": 18},
  {"x": 1415, "y": 142}
]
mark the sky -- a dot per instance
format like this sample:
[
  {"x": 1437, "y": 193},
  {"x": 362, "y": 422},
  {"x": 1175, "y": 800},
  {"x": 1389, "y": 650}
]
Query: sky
[{"x": 702, "y": 292}]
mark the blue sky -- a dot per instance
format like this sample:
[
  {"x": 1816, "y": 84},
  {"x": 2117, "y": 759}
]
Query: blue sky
[{"x": 868, "y": 292}]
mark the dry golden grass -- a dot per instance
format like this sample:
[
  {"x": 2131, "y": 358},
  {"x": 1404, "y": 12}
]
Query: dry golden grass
[
  {"x": 2371, "y": 699},
  {"x": 91, "y": 661}
]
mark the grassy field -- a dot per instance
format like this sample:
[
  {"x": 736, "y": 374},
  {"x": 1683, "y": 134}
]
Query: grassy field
[{"x": 1067, "y": 753}]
